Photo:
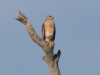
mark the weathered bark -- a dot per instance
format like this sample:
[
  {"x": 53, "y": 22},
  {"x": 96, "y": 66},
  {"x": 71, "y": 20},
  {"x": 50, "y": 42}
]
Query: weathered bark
[{"x": 50, "y": 58}]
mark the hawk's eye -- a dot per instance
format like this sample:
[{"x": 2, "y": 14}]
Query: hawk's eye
[{"x": 50, "y": 16}]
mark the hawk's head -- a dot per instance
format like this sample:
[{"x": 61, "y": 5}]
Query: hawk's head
[{"x": 49, "y": 17}]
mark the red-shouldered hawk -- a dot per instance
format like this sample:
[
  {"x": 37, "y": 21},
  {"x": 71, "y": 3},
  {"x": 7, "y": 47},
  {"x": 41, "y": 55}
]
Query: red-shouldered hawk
[{"x": 49, "y": 30}]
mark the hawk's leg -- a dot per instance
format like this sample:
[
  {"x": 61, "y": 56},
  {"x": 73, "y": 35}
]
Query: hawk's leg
[
  {"x": 52, "y": 43},
  {"x": 47, "y": 40}
]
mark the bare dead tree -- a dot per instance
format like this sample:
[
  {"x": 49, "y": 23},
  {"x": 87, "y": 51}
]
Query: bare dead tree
[{"x": 50, "y": 58}]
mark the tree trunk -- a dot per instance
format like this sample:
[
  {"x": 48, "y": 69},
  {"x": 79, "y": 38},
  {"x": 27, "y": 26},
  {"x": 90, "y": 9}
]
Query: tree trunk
[{"x": 50, "y": 58}]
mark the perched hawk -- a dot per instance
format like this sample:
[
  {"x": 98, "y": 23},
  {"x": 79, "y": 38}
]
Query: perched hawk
[{"x": 49, "y": 30}]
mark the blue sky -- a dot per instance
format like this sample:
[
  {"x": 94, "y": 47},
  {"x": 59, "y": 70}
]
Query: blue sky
[{"x": 78, "y": 36}]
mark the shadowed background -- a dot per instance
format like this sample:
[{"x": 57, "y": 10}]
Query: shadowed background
[{"x": 78, "y": 36}]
